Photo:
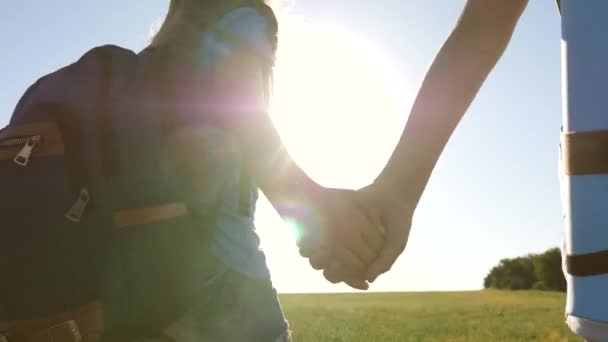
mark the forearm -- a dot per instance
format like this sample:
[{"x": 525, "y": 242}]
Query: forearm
[
  {"x": 276, "y": 173},
  {"x": 453, "y": 80},
  {"x": 266, "y": 156}
]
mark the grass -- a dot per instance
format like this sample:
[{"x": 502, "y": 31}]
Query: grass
[{"x": 449, "y": 316}]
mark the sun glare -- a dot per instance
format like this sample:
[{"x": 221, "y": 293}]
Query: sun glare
[
  {"x": 337, "y": 110},
  {"x": 333, "y": 104}
]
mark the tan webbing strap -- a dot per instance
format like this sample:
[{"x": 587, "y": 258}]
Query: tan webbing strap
[
  {"x": 134, "y": 217},
  {"x": 82, "y": 324},
  {"x": 585, "y": 153}
]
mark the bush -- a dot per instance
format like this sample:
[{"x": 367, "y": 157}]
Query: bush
[
  {"x": 548, "y": 269},
  {"x": 539, "y": 272},
  {"x": 512, "y": 274}
]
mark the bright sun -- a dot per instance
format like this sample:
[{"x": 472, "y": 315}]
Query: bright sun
[
  {"x": 338, "y": 111},
  {"x": 333, "y": 104}
]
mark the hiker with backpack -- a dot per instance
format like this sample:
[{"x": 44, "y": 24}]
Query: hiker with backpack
[
  {"x": 131, "y": 180},
  {"x": 466, "y": 58}
]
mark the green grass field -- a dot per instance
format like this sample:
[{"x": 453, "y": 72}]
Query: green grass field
[{"x": 453, "y": 316}]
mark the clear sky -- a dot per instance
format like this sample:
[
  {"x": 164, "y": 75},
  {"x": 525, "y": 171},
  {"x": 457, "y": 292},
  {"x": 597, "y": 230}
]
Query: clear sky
[{"x": 347, "y": 75}]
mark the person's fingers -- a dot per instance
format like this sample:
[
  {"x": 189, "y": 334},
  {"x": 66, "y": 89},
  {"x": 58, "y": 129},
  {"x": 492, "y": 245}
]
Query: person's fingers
[
  {"x": 374, "y": 238},
  {"x": 369, "y": 207},
  {"x": 335, "y": 273},
  {"x": 307, "y": 246},
  {"x": 352, "y": 227},
  {"x": 387, "y": 257},
  {"x": 349, "y": 260},
  {"x": 306, "y": 252},
  {"x": 383, "y": 263},
  {"x": 360, "y": 237},
  {"x": 362, "y": 225},
  {"x": 357, "y": 284},
  {"x": 320, "y": 259}
]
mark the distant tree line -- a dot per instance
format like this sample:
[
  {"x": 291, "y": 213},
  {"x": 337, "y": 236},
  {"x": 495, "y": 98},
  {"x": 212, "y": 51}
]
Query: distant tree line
[{"x": 534, "y": 271}]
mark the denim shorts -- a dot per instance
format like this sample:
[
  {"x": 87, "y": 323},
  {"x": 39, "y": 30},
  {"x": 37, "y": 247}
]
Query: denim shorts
[
  {"x": 235, "y": 308},
  {"x": 239, "y": 309}
]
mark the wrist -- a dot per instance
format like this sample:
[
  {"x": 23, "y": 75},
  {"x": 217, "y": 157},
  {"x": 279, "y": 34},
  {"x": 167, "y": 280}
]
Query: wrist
[
  {"x": 406, "y": 194},
  {"x": 302, "y": 208},
  {"x": 296, "y": 196}
]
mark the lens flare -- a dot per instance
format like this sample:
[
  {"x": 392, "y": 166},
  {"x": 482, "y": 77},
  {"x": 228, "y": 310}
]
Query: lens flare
[{"x": 303, "y": 220}]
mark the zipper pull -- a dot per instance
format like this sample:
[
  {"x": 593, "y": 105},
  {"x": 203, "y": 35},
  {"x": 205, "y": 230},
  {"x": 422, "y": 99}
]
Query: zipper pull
[
  {"x": 24, "y": 155},
  {"x": 77, "y": 210}
]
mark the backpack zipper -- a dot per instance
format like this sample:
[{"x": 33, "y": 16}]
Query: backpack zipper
[
  {"x": 28, "y": 142},
  {"x": 14, "y": 141},
  {"x": 78, "y": 208}
]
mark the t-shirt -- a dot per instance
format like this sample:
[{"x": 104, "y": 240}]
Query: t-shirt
[{"x": 236, "y": 243}]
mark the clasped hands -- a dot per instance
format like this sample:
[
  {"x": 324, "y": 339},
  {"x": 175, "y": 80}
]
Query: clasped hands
[{"x": 361, "y": 234}]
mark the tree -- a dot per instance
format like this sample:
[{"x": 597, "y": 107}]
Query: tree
[
  {"x": 540, "y": 272},
  {"x": 512, "y": 274},
  {"x": 548, "y": 270}
]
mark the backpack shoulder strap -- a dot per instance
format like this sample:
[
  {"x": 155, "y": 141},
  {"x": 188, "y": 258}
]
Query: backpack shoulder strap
[
  {"x": 113, "y": 62},
  {"x": 104, "y": 61}
]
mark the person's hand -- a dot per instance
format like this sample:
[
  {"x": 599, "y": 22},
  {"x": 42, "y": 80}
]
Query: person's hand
[
  {"x": 385, "y": 208},
  {"x": 347, "y": 240},
  {"x": 395, "y": 212}
]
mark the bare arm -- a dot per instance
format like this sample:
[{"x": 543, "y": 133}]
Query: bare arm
[
  {"x": 452, "y": 82},
  {"x": 326, "y": 215},
  {"x": 269, "y": 162}
]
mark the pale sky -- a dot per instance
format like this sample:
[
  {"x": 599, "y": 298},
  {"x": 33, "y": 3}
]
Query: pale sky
[{"x": 346, "y": 77}]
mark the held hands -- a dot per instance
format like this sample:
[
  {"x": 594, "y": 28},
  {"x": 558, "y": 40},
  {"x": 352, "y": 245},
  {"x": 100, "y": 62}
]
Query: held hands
[
  {"x": 394, "y": 212},
  {"x": 346, "y": 242},
  {"x": 362, "y": 234}
]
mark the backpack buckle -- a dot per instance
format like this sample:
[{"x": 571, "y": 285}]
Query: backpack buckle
[{"x": 67, "y": 331}]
